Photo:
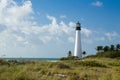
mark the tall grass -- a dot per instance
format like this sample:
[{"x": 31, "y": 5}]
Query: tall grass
[{"x": 86, "y": 69}]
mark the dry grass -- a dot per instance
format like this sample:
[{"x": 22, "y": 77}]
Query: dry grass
[{"x": 87, "y": 69}]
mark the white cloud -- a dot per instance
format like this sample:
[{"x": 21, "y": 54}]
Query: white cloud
[
  {"x": 72, "y": 24},
  {"x": 63, "y": 16},
  {"x": 111, "y": 36},
  {"x": 13, "y": 19},
  {"x": 71, "y": 39},
  {"x": 11, "y": 14},
  {"x": 19, "y": 29},
  {"x": 53, "y": 19},
  {"x": 100, "y": 38},
  {"x": 97, "y": 4},
  {"x": 87, "y": 40},
  {"x": 45, "y": 39},
  {"x": 86, "y": 32}
]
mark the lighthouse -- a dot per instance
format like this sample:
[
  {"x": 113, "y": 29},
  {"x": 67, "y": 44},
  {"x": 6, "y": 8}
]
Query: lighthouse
[{"x": 78, "y": 47}]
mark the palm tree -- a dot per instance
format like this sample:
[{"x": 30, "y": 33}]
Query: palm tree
[
  {"x": 84, "y": 53},
  {"x": 106, "y": 48},
  {"x": 112, "y": 47},
  {"x": 99, "y": 48},
  {"x": 69, "y": 53},
  {"x": 118, "y": 47}
]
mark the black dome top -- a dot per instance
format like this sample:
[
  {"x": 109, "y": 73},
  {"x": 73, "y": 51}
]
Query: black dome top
[{"x": 78, "y": 26}]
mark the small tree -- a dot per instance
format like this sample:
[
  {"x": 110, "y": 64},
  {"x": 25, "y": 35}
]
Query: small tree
[
  {"x": 69, "y": 53},
  {"x": 106, "y": 48},
  {"x": 99, "y": 48},
  {"x": 118, "y": 47},
  {"x": 84, "y": 53},
  {"x": 112, "y": 47}
]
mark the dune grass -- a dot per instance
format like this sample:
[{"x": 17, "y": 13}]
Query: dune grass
[{"x": 86, "y": 69}]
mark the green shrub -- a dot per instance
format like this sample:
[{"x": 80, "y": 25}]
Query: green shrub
[
  {"x": 1, "y": 61},
  {"x": 59, "y": 65},
  {"x": 109, "y": 54},
  {"x": 70, "y": 58},
  {"x": 114, "y": 64},
  {"x": 90, "y": 56},
  {"x": 63, "y": 58},
  {"x": 90, "y": 63},
  {"x": 63, "y": 66}
]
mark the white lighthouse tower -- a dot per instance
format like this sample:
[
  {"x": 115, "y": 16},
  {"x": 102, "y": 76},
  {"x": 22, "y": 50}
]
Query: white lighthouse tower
[{"x": 78, "y": 47}]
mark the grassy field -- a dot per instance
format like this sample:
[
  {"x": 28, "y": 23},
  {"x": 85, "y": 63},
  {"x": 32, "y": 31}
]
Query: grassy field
[{"x": 86, "y": 69}]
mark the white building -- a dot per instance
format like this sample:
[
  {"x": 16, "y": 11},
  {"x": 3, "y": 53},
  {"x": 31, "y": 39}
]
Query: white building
[{"x": 78, "y": 47}]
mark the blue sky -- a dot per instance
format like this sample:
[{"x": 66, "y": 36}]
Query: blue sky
[{"x": 45, "y": 28}]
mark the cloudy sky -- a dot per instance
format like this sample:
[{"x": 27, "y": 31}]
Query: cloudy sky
[{"x": 45, "y": 28}]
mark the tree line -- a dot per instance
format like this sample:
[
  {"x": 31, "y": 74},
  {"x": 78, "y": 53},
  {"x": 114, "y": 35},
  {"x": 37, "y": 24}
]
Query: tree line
[{"x": 108, "y": 48}]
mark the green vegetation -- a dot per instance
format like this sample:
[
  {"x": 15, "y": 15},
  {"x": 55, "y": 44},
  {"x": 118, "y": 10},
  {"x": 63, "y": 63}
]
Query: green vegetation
[
  {"x": 85, "y": 69},
  {"x": 71, "y": 57},
  {"x": 105, "y": 65},
  {"x": 112, "y": 51},
  {"x": 109, "y": 54},
  {"x": 108, "y": 48}
]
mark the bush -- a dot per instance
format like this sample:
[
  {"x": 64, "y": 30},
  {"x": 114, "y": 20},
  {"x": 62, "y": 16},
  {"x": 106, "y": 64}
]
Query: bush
[
  {"x": 63, "y": 66},
  {"x": 90, "y": 56},
  {"x": 63, "y": 58},
  {"x": 90, "y": 63},
  {"x": 109, "y": 54},
  {"x": 69, "y": 58},
  {"x": 114, "y": 64},
  {"x": 1, "y": 61},
  {"x": 59, "y": 65}
]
